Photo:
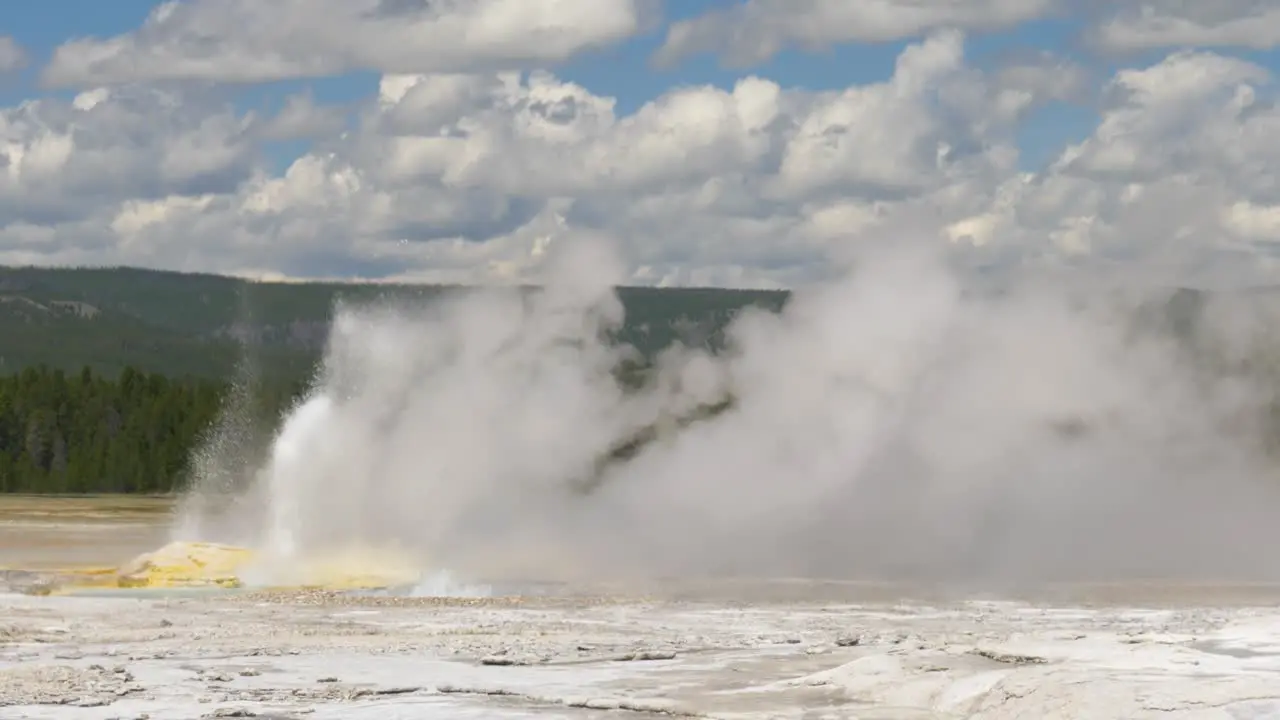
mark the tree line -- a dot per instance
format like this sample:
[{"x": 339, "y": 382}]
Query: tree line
[
  {"x": 89, "y": 433},
  {"x": 133, "y": 432}
]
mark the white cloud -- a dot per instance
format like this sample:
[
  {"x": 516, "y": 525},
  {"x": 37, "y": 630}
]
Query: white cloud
[
  {"x": 1045, "y": 75},
  {"x": 61, "y": 159},
  {"x": 756, "y": 30},
  {"x": 700, "y": 184},
  {"x": 12, "y": 56},
  {"x": 1181, "y": 166},
  {"x": 301, "y": 118},
  {"x": 1252, "y": 221},
  {"x": 249, "y": 41},
  {"x": 468, "y": 176},
  {"x": 1145, "y": 24},
  {"x": 753, "y": 31}
]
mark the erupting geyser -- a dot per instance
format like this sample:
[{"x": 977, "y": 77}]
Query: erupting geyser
[
  {"x": 293, "y": 462},
  {"x": 891, "y": 424}
]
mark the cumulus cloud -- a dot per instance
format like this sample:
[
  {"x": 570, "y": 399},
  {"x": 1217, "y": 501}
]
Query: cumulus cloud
[
  {"x": 756, "y": 30},
  {"x": 470, "y": 176},
  {"x": 702, "y": 185},
  {"x": 1145, "y": 24},
  {"x": 246, "y": 41},
  {"x": 67, "y": 162},
  {"x": 300, "y": 118},
  {"x": 12, "y": 56},
  {"x": 1179, "y": 169}
]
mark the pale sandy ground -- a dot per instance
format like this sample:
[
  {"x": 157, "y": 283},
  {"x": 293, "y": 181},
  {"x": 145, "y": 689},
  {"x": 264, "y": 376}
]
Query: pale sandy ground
[
  {"x": 89, "y": 657},
  {"x": 41, "y": 532},
  {"x": 780, "y": 650}
]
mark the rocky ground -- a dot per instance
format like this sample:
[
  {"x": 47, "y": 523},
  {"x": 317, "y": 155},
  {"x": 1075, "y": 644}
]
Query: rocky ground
[
  {"x": 856, "y": 654},
  {"x": 785, "y": 650}
]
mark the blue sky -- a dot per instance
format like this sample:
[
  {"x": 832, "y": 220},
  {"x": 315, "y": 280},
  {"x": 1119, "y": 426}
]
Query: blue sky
[{"x": 178, "y": 135}]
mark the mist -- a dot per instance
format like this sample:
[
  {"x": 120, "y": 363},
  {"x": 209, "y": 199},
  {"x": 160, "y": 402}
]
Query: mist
[{"x": 902, "y": 422}]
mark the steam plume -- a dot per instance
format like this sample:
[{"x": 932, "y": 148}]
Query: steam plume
[{"x": 900, "y": 422}]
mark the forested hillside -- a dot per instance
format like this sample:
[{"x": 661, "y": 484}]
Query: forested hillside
[
  {"x": 83, "y": 433},
  {"x": 109, "y": 377},
  {"x": 205, "y": 325}
]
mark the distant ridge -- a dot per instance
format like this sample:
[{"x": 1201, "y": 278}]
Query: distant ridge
[{"x": 200, "y": 324}]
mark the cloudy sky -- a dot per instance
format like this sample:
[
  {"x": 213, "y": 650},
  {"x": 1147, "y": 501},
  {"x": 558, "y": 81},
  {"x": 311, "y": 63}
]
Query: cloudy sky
[{"x": 719, "y": 142}]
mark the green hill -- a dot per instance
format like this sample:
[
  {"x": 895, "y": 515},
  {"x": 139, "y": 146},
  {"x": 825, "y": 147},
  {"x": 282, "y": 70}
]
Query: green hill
[{"x": 204, "y": 325}]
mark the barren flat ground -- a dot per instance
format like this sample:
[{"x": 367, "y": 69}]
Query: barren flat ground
[
  {"x": 91, "y": 531},
  {"x": 777, "y": 649}
]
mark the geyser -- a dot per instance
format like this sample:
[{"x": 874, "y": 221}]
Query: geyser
[
  {"x": 894, "y": 424},
  {"x": 292, "y": 465}
]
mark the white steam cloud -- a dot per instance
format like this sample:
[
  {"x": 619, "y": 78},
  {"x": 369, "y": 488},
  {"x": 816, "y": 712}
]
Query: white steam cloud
[{"x": 894, "y": 424}]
